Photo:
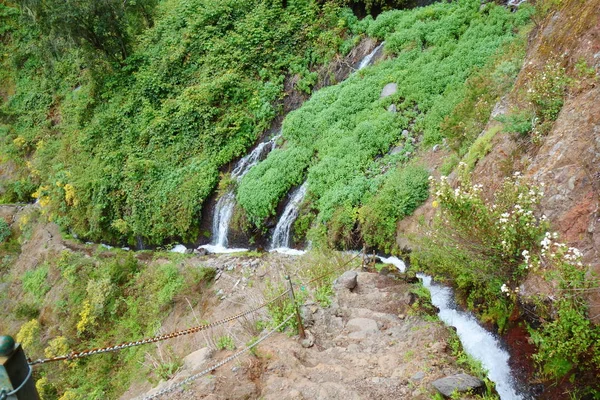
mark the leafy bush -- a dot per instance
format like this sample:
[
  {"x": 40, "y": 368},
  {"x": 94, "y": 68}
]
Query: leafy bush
[
  {"x": 134, "y": 150},
  {"x": 482, "y": 245},
  {"x": 521, "y": 123},
  {"x": 35, "y": 282},
  {"x": 403, "y": 191},
  {"x": 5, "y": 231},
  {"x": 225, "y": 342}
]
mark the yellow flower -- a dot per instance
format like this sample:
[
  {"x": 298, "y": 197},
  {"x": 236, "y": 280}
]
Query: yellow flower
[{"x": 435, "y": 204}]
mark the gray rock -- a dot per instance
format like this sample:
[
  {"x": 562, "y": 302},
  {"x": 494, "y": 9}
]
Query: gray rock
[
  {"x": 308, "y": 341},
  {"x": 197, "y": 359},
  {"x": 188, "y": 251},
  {"x": 396, "y": 150},
  {"x": 405, "y": 133},
  {"x": 306, "y": 313},
  {"x": 389, "y": 89},
  {"x": 201, "y": 252},
  {"x": 418, "y": 376},
  {"x": 392, "y": 108},
  {"x": 349, "y": 280},
  {"x": 436, "y": 148},
  {"x": 460, "y": 383}
]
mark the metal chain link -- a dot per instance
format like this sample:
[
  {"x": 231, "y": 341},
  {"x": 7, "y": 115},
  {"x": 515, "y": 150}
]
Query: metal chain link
[
  {"x": 85, "y": 353},
  {"x": 219, "y": 364}
]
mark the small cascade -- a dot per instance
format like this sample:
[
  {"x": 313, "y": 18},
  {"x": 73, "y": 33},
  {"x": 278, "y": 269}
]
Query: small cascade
[
  {"x": 477, "y": 342},
  {"x": 395, "y": 261},
  {"x": 226, "y": 203},
  {"x": 367, "y": 60},
  {"x": 282, "y": 233}
]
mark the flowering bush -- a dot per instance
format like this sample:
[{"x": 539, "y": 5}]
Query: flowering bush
[
  {"x": 501, "y": 231},
  {"x": 486, "y": 247}
]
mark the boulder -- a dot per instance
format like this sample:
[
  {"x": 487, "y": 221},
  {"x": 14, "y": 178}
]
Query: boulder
[
  {"x": 460, "y": 383},
  {"x": 201, "y": 251},
  {"x": 348, "y": 280},
  {"x": 389, "y": 89},
  {"x": 197, "y": 359}
]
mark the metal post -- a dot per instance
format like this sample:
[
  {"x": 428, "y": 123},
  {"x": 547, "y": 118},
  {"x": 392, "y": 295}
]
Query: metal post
[
  {"x": 15, "y": 373},
  {"x": 298, "y": 317}
]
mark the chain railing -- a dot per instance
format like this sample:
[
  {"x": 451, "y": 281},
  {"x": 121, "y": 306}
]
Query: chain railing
[
  {"x": 219, "y": 364},
  {"x": 80, "y": 354}
]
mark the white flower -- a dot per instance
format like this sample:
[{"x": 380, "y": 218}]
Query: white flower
[{"x": 504, "y": 288}]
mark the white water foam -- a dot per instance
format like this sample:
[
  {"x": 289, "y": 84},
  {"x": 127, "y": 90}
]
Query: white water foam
[
  {"x": 282, "y": 232},
  {"x": 179, "y": 249},
  {"x": 398, "y": 263},
  {"x": 367, "y": 60},
  {"x": 477, "y": 342},
  {"x": 288, "y": 251},
  {"x": 216, "y": 249}
]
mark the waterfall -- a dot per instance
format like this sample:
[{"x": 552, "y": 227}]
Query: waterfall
[
  {"x": 367, "y": 60},
  {"x": 282, "y": 232},
  {"x": 477, "y": 342},
  {"x": 226, "y": 203}
]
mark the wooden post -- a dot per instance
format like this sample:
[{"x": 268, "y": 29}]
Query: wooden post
[
  {"x": 298, "y": 317},
  {"x": 16, "y": 382}
]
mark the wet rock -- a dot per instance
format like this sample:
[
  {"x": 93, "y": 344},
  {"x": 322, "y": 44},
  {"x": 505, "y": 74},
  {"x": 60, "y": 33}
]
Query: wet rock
[
  {"x": 460, "y": 383},
  {"x": 389, "y": 89},
  {"x": 201, "y": 252},
  {"x": 348, "y": 280}
]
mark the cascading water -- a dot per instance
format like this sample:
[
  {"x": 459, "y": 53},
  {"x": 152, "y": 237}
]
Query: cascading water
[
  {"x": 226, "y": 203},
  {"x": 367, "y": 60},
  {"x": 477, "y": 342},
  {"x": 282, "y": 233}
]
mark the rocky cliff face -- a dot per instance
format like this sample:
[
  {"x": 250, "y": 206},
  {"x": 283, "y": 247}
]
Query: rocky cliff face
[{"x": 567, "y": 159}]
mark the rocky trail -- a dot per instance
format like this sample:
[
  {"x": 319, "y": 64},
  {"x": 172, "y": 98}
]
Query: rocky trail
[{"x": 368, "y": 344}]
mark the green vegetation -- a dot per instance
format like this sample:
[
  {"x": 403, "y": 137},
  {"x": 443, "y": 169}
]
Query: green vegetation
[
  {"x": 91, "y": 302},
  {"x": 544, "y": 98},
  {"x": 4, "y": 230},
  {"x": 119, "y": 121},
  {"x": 336, "y": 139},
  {"x": 480, "y": 147},
  {"x": 226, "y": 342},
  {"x": 488, "y": 247},
  {"x": 482, "y": 246},
  {"x": 402, "y": 192}
]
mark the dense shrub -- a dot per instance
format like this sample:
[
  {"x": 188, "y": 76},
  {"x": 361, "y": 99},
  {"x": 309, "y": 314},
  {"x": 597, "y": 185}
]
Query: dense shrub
[
  {"x": 133, "y": 148},
  {"x": 4, "y": 230},
  {"x": 344, "y": 130}
]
